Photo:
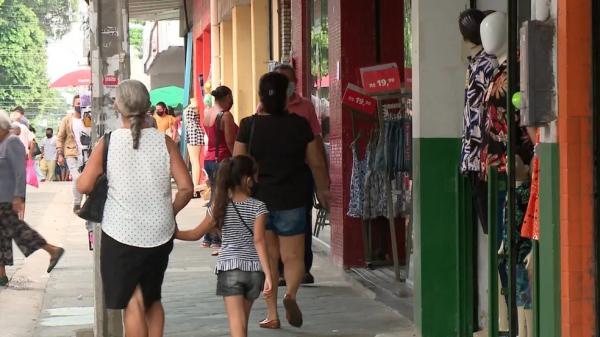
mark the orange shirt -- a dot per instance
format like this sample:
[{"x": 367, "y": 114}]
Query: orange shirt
[{"x": 164, "y": 123}]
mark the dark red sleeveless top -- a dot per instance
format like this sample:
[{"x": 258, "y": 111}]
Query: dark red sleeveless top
[{"x": 214, "y": 134}]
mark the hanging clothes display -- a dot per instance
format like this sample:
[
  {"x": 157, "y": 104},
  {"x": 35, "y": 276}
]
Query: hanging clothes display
[
  {"x": 357, "y": 184},
  {"x": 479, "y": 75},
  {"x": 388, "y": 159},
  {"x": 375, "y": 204},
  {"x": 531, "y": 224},
  {"x": 495, "y": 136},
  {"x": 524, "y": 245}
]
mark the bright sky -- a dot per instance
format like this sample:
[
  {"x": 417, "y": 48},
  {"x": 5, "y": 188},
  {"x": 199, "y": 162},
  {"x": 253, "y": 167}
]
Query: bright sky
[{"x": 66, "y": 54}]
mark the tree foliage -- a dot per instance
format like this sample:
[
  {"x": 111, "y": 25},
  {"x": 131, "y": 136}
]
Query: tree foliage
[
  {"x": 55, "y": 16},
  {"x": 135, "y": 39},
  {"x": 320, "y": 49},
  {"x": 23, "y": 61}
]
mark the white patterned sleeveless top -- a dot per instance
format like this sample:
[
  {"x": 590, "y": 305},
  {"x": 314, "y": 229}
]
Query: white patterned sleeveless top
[{"x": 138, "y": 210}]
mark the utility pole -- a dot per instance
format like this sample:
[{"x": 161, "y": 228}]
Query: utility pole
[{"x": 109, "y": 54}]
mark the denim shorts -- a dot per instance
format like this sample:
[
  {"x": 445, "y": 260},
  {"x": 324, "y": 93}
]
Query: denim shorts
[
  {"x": 240, "y": 283},
  {"x": 288, "y": 222}
]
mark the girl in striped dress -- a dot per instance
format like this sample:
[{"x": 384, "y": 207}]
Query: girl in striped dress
[{"x": 243, "y": 261}]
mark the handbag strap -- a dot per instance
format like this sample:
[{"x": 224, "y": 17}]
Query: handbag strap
[
  {"x": 252, "y": 127},
  {"x": 241, "y": 218},
  {"x": 105, "y": 154},
  {"x": 217, "y": 129}
]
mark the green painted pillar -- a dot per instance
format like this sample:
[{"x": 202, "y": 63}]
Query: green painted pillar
[
  {"x": 548, "y": 260},
  {"x": 438, "y": 90}
]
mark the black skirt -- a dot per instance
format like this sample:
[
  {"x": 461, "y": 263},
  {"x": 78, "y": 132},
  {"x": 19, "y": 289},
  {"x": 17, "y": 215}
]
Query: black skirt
[{"x": 124, "y": 267}]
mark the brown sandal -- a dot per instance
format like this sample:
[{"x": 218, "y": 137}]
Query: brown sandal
[
  {"x": 272, "y": 324},
  {"x": 292, "y": 311}
]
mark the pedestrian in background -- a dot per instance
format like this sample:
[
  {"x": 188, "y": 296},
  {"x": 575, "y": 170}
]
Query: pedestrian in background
[
  {"x": 48, "y": 162},
  {"x": 243, "y": 261},
  {"x": 195, "y": 142},
  {"x": 12, "y": 204},
  {"x": 281, "y": 143},
  {"x": 138, "y": 224},
  {"x": 26, "y": 136},
  {"x": 165, "y": 123},
  {"x": 69, "y": 147},
  {"x": 304, "y": 107},
  {"x": 221, "y": 131}
]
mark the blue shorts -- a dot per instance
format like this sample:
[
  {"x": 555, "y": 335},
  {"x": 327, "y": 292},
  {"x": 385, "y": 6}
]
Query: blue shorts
[{"x": 287, "y": 222}]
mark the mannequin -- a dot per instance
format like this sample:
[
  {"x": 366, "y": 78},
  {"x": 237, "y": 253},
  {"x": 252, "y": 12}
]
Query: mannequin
[
  {"x": 524, "y": 275},
  {"x": 494, "y": 37},
  {"x": 480, "y": 71},
  {"x": 195, "y": 138}
]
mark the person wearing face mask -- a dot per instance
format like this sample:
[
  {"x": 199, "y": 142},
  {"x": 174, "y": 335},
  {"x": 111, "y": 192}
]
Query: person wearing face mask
[
  {"x": 69, "y": 147},
  {"x": 221, "y": 131},
  {"x": 48, "y": 162},
  {"x": 165, "y": 123},
  {"x": 304, "y": 108}
]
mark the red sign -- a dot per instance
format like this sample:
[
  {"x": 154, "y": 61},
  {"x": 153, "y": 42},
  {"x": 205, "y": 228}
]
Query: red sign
[
  {"x": 110, "y": 80},
  {"x": 380, "y": 79},
  {"x": 356, "y": 99}
]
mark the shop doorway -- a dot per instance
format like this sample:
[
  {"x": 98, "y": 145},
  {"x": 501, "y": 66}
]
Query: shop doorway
[{"x": 596, "y": 135}]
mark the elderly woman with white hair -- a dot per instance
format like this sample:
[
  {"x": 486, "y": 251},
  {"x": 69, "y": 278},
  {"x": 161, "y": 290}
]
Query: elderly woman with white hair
[
  {"x": 138, "y": 225},
  {"x": 12, "y": 204}
]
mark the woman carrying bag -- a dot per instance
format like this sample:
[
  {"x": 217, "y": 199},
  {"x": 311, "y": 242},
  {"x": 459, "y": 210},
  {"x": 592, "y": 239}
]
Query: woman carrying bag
[{"x": 138, "y": 222}]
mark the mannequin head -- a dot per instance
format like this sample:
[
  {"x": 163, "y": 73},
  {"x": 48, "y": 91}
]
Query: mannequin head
[
  {"x": 494, "y": 35},
  {"x": 469, "y": 23}
]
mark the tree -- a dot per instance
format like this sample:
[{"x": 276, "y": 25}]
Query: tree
[
  {"x": 23, "y": 61},
  {"x": 320, "y": 50},
  {"x": 136, "y": 31},
  {"x": 55, "y": 16}
]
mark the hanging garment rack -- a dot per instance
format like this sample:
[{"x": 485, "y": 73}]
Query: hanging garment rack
[{"x": 383, "y": 114}]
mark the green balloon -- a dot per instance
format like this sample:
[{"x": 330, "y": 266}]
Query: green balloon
[{"x": 516, "y": 100}]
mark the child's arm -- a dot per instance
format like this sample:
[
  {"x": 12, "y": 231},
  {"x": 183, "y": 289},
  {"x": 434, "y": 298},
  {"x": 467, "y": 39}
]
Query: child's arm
[
  {"x": 195, "y": 234},
  {"x": 260, "y": 242}
]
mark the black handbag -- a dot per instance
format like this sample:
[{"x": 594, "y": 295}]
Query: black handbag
[
  {"x": 36, "y": 149},
  {"x": 93, "y": 208}
]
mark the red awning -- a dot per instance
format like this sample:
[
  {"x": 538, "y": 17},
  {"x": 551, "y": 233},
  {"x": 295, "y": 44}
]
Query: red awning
[{"x": 77, "y": 78}]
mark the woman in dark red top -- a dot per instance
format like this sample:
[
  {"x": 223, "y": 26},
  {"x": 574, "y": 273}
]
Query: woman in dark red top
[{"x": 221, "y": 131}]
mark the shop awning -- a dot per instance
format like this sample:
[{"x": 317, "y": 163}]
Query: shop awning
[{"x": 155, "y": 10}]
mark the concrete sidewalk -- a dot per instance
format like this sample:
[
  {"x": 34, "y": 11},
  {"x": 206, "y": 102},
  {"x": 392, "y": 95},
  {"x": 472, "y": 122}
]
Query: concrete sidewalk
[{"x": 64, "y": 303}]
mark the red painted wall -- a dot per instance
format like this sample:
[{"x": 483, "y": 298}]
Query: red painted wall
[
  {"x": 201, "y": 54},
  {"x": 300, "y": 43},
  {"x": 352, "y": 46}
]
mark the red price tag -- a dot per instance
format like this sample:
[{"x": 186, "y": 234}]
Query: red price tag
[
  {"x": 380, "y": 79},
  {"x": 356, "y": 99},
  {"x": 110, "y": 80}
]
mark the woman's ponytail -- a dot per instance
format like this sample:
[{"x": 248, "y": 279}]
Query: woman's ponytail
[
  {"x": 137, "y": 123},
  {"x": 221, "y": 196}
]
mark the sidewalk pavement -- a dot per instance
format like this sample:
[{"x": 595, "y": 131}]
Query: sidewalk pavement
[{"x": 62, "y": 305}]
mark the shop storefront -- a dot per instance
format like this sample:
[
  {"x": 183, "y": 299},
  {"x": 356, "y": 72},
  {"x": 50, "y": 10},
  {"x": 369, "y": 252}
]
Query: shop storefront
[{"x": 436, "y": 79}]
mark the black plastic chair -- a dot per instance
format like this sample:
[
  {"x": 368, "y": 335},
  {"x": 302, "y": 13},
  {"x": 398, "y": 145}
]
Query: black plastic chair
[{"x": 322, "y": 217}]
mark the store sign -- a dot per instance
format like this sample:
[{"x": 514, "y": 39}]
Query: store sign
[
  {"x": 110, "y": 81},
  {"x": 355, "y": 98},
  {"x": 380, "y": 79}
]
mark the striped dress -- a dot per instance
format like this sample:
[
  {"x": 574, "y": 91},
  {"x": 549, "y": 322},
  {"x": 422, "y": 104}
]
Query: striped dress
[{"x": 237, "y": 247}]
